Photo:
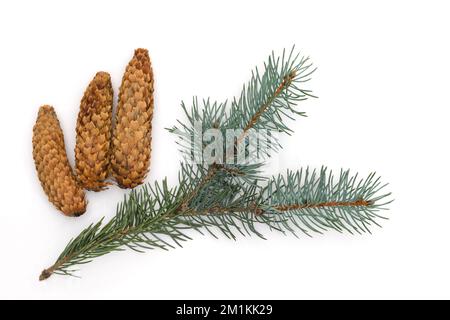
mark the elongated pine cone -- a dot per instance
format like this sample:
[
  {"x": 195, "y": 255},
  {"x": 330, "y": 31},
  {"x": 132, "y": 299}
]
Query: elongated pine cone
[
  {"x": 52, "y": 165},
  {"x": 131, "y": 146},
  {"x": 92, "y": 149}
]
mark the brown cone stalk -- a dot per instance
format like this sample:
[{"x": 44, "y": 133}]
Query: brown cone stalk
[
  {"x": 93, "y": 130},
  {"x": 131, "y": 144},
  {"x": 52, "y": 165}
]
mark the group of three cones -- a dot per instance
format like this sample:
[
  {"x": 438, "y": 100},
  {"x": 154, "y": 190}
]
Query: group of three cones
[{"x": 105, "y": 145}]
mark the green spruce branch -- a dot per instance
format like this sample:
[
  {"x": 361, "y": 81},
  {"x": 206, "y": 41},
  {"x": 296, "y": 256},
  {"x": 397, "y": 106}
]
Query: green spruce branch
[{"x": 233, "y": 199}]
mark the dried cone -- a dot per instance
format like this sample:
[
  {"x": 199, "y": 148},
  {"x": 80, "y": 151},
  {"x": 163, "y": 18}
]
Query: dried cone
[
  {"x": 52, "y": 166},
  {"x": 94, "y": 134},
  {"x": 130, "y": 158}
]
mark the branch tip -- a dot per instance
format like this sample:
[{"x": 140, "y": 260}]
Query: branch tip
[{"x": 45, "y": 275}]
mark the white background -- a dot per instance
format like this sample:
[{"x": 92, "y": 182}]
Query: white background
[{"x": 384, "y": 100}]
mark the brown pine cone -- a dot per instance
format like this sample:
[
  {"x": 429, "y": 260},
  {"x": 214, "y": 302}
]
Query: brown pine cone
[
  {"x": 52, "y": 165},
  {"x": 131, "y": 146},
  {"x": 94, "y": 122}
]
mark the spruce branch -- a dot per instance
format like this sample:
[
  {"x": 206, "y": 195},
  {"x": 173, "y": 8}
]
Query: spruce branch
[
  {"x": 150, "y": 218},
  {"x": 233, "y": 199},
  {"x": 260, "y": 105},
  {"x": 263, "y": 104}
]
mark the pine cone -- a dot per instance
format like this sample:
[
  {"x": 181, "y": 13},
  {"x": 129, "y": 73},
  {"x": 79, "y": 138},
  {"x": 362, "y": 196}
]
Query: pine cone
[
  {"x": 94, "y": 133},
  {"x": 52, "y": 165},
  {"x": 130, "y": 158}
]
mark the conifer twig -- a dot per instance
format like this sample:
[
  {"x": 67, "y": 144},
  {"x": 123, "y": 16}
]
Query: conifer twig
[
  {"x": 254, "y": 119},
  {"x": 304, "y": 200},
  {"x": 234, "y": 198}
]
